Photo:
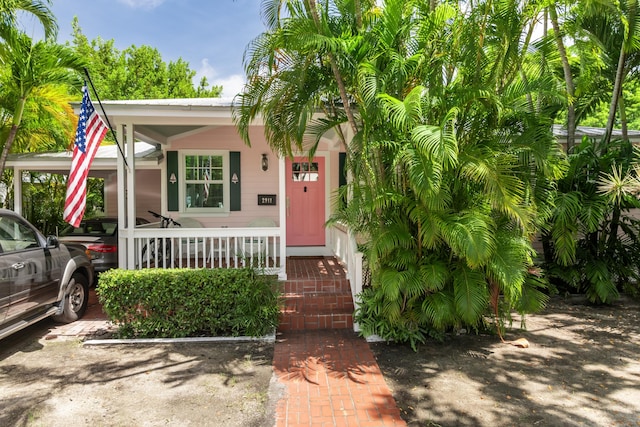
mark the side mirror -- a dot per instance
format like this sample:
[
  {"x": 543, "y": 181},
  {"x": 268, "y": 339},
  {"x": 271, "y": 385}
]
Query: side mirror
[{"x": 52, "y": 241}]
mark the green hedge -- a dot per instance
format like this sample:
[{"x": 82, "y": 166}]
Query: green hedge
[{"x": 154, "y": 303}]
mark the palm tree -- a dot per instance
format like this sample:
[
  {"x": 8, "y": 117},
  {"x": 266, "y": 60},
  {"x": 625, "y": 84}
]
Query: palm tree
[
  {"x": 297, "y": 67},
  {"x": 592, "y": 240},
  {"x": 452, "y": 151},
  {"x": 453, "y": 218},
  {"x": 39, "y": 9},
  {"x": 29, "y": 68},
  {"x": 568, "y": 76}
]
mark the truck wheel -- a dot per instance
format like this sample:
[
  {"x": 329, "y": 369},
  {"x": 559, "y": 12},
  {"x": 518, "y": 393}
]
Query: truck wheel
[{"x": 75, "y": 303}]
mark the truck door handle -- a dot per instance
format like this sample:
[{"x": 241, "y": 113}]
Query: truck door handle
[{"x": 17, "y": 265}]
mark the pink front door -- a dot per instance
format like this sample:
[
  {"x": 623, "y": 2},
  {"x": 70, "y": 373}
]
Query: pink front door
[{"x": 305, "y": 202}]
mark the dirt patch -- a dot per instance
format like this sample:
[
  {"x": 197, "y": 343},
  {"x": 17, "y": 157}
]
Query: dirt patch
[
  {"x": 61, "y": 382},
  {"x": 582, "y": 369}
]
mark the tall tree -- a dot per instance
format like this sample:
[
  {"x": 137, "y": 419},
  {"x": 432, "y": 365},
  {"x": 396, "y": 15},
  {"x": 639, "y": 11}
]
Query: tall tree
[
  {"x": 29, "y": 67},
  {"x": 451, "y": 153},
  {"x": 137, "y": 72},
  {"x": 39, "y": 9},
  {"x": 558, "y": 35},
  {"x": 593, "y": 239}
]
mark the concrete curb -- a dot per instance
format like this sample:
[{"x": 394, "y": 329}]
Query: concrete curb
[{"x": 267, "y": 338}]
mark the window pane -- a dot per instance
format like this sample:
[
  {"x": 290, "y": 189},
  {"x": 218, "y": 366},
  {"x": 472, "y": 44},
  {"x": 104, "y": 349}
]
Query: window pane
[
  {"x": 305, "y": 171},
  {"x": 217, "y": 174},
  {"x": 295, "y": 167},
  {"x": 216, "y": 161},
  {"x": 198, "y": 196},
  {"x": 313, "y": 174},
  {"x": 204, "y": 176}
]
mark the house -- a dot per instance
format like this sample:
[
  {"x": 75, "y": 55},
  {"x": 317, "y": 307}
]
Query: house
[
  {"x": 238, "y": 205},
  {"x": 560, "y": 132}
]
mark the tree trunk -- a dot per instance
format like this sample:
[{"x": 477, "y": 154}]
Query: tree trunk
[
  {"x": 7, "y": 147},
  {"x": 617, "y": 89},
  {"x": 620, "y": 72},
  {"x": 17, "y": 119},
  {"x": 568, "y": 79},
  {"x": 313, "y": 11},
  {"x": 613, "y": 232},
  {"x": 623, "y": 117}
]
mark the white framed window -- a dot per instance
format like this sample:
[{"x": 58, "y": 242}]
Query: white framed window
[{"x": 205, "y": 178}]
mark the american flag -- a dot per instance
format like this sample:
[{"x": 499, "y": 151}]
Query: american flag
[
  {"x": 91, "y": 131},
  {"x": 206, "y": 184}
]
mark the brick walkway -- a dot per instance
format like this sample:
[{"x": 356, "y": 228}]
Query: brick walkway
[{"x": 331, "y": 379}]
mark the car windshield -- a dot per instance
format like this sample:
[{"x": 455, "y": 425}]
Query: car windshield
[{"x": 91, "y": 228}]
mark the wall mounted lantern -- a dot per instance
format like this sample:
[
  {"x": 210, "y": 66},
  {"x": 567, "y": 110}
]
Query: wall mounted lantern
[{"x": 265, "y": 162}]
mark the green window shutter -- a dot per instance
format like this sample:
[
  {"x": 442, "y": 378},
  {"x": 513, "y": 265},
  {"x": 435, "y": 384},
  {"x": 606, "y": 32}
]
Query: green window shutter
[
  {"x": 173, "y": 181},
  {"x": 342, "y": 175},
  {"x": 342, "y": 178},
  {"x": 235, "y": 181}
]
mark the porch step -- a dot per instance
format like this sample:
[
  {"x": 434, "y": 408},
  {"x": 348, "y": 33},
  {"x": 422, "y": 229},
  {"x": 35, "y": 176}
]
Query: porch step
[
  {"x": 312, "y": 286},
  {"x": 311, "y": 304},
  {"x": 318, "y": 303}
]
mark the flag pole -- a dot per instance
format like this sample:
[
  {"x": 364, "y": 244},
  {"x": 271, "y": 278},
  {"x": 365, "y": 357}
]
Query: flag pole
[{"x": 104, "y": 113}]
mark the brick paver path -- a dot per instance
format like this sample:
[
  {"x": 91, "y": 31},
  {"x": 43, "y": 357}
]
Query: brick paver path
[{"x": 331, "y": 379}]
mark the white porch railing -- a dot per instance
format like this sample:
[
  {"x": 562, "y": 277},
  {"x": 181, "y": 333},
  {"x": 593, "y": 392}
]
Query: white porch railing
[
  {"x": 346, "y": 250},
  {"x": 258, "y": 247}
]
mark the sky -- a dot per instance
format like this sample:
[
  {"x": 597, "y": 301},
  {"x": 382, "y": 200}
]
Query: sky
[{"x": 211, "y": 35}]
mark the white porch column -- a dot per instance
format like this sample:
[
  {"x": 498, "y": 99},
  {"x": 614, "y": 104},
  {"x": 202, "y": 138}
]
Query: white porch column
[
  {"x": 282, "y": 190},
  {"x": 121, "y": 200},
  {"x": 131, "y": 180},
  {"x": 17, "y": 191},
  {"x": 126, "y": 196},
  {"x": 130, "y": 194}
]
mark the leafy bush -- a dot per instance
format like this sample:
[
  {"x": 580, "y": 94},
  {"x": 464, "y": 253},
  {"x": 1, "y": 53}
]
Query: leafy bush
[
  {"x": 592, "y": 244},
  {"x": 153, "y": 303}
]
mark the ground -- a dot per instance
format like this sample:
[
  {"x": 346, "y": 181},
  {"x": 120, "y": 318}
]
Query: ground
[
  {"x": 61, "y": 382},
  {"x": 582, "y": 368}
]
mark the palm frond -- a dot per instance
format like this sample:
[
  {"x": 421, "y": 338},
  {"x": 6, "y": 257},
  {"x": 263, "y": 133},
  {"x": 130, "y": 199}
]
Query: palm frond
[
  {"x": 471, "y": 295},
  {"x": 470, "y": 236}
]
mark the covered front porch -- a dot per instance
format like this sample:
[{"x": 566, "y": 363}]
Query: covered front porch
[
  {"x": 319, "y": 292},
  {"x": 257, "y": 247}
]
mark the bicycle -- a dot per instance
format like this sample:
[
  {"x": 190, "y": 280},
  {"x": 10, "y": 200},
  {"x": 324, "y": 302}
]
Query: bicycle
[{"x": 159, "y": 249}]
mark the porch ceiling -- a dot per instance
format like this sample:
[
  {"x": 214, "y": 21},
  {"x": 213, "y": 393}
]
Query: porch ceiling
[
  {"x": 155, "y": 122},
  {"x": 147, "y": 156},
  {"x": 161, "y": 134}
]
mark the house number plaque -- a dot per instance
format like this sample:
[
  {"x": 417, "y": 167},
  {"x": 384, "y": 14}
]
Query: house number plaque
[{"x": 266, "y": 199}]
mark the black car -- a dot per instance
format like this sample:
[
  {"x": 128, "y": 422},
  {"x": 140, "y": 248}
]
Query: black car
[
  {"x": 100, "y": 238},
  {"x": 39, "y": 277}
]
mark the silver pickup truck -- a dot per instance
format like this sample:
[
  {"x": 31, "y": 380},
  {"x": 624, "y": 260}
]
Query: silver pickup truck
[{"x": 39, "y": 277}]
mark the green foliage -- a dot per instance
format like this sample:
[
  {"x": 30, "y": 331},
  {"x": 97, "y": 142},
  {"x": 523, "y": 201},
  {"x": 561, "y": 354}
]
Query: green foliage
[
  {"x": 593, "y": 241},
  {"x": 372, "y": 321},
  {"x": 446, "y": 122},
  {"x": 33, "y": 71},
  {"x": 43, "y": 198},
  {"x": 137, "y": 72},
  {"x": 153, "y": 303}
]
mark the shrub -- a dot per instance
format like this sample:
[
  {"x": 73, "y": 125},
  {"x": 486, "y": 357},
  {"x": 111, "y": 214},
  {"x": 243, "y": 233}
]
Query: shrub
[{"x": 153, "y": 303}]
